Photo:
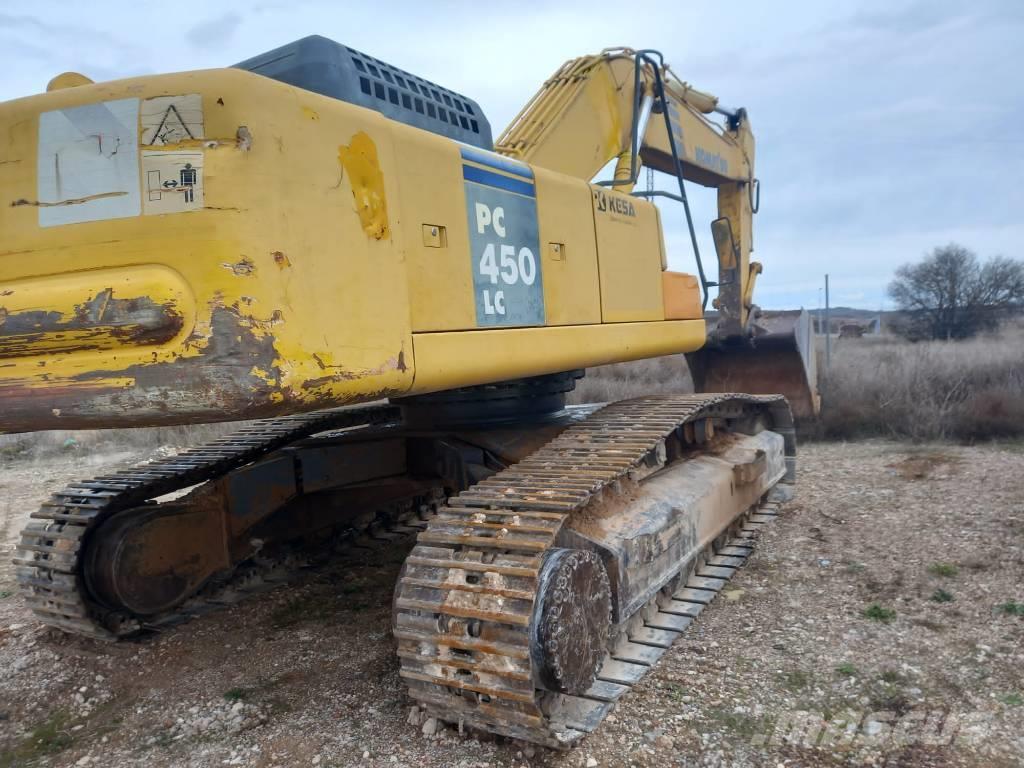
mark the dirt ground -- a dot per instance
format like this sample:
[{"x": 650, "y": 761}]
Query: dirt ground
[{"x": 879, "y": 622}]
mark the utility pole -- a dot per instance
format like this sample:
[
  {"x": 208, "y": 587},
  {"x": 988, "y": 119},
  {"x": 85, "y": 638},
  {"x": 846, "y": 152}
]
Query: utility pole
[{"x": 828, "y": 330}]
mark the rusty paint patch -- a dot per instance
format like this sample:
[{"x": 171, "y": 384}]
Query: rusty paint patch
[
  {"x": 222, "y": 373},
  {"x": 237, "y": 375},
  {"x": 250, "y": 321},
  {"x": 281, "y": 259},
  {"x": 340, "y": 373},
  {"x": 243, "y": 268},
  {"x": 243, "y": 138},
  {"x": 242, "y": 141},
  {"x": 101, "y": 322},
  {"x": 72, "y": 201},
  {"x": 359, "y": 159}
]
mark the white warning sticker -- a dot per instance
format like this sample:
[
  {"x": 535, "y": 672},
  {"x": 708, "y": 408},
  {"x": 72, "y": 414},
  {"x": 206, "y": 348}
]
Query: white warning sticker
[
  {"x": 172, "y": 181},
  {"x": 171, "y": 119},
  {"x": 88, "y": 163}
]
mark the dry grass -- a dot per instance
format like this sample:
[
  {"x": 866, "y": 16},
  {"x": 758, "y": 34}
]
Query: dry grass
[
  {"x": 668, "y": 375},
  {"x": 879, "y": 386},
  {"x": 963, "y": 390},
  {"x": 42, "y": 444}
]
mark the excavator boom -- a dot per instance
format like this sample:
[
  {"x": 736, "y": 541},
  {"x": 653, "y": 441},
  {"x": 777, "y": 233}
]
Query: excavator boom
[{"x": 627, "y": 107}]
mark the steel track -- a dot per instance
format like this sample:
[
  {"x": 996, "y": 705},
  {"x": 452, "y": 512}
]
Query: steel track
[
  {"x": 49, "y": 556},
  {"x": 465, "y": 600}
]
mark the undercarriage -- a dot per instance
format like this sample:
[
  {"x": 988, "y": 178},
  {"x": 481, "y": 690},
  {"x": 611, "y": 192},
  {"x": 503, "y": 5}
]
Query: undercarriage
[{"x": 559, "y": 550}]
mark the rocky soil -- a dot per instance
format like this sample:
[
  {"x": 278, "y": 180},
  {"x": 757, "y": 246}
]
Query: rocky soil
[{"x": 879, "y": 622}]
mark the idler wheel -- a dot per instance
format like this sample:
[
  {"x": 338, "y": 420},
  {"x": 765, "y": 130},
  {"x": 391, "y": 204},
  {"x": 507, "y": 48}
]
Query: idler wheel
[
  {"x": 571, "y": 620},
  {"x": 148, "y": 560}
]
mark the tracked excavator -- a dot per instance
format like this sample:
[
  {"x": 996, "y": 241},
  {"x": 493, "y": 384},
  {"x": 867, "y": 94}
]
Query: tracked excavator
[{"x": 338, "y": 252}]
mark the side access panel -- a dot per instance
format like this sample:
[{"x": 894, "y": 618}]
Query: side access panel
[{"x": 630, "y": 257}]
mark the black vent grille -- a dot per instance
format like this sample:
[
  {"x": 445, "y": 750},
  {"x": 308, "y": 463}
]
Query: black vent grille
[
  {"x": 414, "y": 94},
  {"x": 323, "y": 66}
]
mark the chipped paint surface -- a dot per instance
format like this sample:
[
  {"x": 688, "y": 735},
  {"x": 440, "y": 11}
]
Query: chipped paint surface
[
  {"x": 243, "y": 138},
  {"x": 216, "y": 315},
  {"x": 99, "y": 323},
  {"x": 343, "y": 373},
  {"x": 244, "y": 267},
  {"x": 359, "y": 159},
  {"x": 98, "y": 310}
]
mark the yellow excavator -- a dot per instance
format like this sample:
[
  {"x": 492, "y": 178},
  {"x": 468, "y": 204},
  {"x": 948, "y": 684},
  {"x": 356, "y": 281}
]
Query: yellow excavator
[{"x": 338, "y": 252}]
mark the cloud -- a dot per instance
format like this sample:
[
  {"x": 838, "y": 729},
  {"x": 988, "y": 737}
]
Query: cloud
[
  {"x": 883, "y": 129},
  {"x": 215, "y": 32}
]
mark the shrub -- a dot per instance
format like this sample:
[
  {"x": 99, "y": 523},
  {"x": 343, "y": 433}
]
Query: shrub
[
  {"x": 1011, "y": 608},
  {"x": 947, "y": 570},
  {"x": 963, "y": 390},
  {"x": 877, "y": 612}
]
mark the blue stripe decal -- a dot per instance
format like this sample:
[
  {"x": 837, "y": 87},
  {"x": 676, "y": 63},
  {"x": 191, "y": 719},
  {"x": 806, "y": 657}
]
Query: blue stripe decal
[
  {"x": 480, "y": 176},
  {"x": 497, "y": 161}
]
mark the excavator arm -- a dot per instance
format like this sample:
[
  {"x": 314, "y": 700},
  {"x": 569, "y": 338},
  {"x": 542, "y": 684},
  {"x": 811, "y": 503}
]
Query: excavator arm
[{"x": 628, "y": 107}]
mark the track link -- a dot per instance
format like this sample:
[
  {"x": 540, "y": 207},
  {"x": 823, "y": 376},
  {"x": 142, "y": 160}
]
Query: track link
[
  {"x": 465, "y": 600},
  {"x": 49, "y": 556}
]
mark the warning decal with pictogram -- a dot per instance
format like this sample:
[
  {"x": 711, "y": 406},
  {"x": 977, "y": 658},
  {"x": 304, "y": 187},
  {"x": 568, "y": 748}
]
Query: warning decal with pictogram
[
  {"x": 169, "y": 120},
  {"x": 172, "y": 182}
]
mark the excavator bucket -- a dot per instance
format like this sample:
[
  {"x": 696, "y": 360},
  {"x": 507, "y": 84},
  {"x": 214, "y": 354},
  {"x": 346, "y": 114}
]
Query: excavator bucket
[{"x": 780, "y": 360}]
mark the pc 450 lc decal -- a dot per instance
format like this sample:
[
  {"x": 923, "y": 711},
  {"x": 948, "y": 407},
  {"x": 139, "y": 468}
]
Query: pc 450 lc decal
[{"x": 501, "y": 206}]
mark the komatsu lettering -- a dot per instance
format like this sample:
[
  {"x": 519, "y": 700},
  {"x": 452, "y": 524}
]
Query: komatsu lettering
[{"x": 712, "y": 160}]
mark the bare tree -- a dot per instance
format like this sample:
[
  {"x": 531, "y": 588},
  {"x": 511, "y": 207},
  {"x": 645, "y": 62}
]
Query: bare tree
[{"x": 950, "y": 295}]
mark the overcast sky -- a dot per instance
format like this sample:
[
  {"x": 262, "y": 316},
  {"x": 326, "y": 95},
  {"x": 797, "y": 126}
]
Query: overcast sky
[{"x": 883, "y": 128}]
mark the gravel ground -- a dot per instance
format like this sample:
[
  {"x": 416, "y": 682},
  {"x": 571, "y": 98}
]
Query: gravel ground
[{"x": 879, "y": 622}]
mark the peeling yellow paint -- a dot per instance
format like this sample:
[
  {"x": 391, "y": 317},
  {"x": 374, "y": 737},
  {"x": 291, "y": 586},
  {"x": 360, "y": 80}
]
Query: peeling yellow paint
[
  {"x": 267, "y": 376},
  {"x": 312, "y": 114},
  {"x": 242, "y": 268},
  {"x": 359, "y": 160}
]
